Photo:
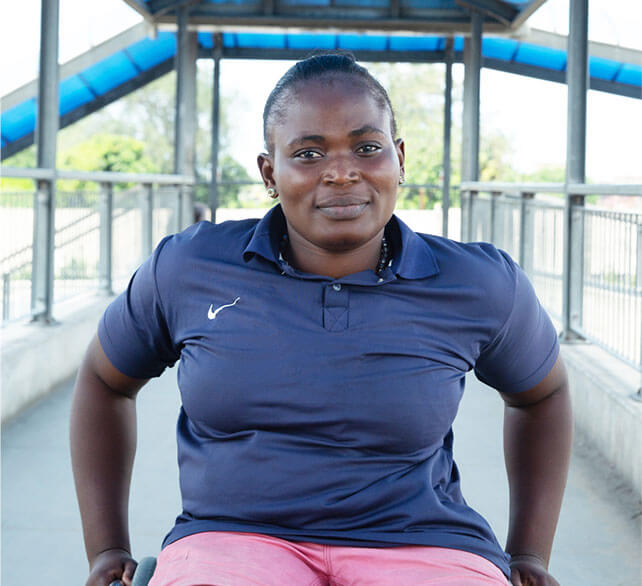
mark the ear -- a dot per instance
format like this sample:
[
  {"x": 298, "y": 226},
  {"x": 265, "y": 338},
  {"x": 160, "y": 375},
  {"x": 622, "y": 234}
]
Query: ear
[
  {"x": 266, "y": 168},
  {"x": 401, "y": 154}
]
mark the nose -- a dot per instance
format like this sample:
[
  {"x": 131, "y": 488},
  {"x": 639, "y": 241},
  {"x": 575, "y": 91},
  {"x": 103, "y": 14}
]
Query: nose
[{"x": 340, "y": 170}]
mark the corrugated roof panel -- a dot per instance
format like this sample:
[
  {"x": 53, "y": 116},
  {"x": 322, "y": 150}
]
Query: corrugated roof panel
[
  {"x": 307, "y": 41},
  {"x": 363, "y": 42},
  {"x": 416, "y": 43},
  {"x": 603, "y": 68},
  {"x": 19, "y": 120},
  {"x": 430, "y": 4},
  {"x": 229, "y": 40},
  {"x": 631, "y": 74},
  {"x": 495, "y": 48},
  {"x": 264, "y": 41},
  {"x": 304, "y": 3},
  {"x": 233, "y": 2},
  {"x": 150, "y": 52},
  {"x": 73, "y": 92},
  {"x": 205, "y": 40},
  {"x": 361, "y": 3},
  {"x": 110, "y": 72},
  {"x": 541, "y": 56}
]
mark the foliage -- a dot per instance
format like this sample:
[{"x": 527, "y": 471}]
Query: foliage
[
  {"x": 416, "y": 92},
  {"x": 25, "y": 159},
  {"x": 103, "y": 152},
  {"x": 228, "y": 195}
]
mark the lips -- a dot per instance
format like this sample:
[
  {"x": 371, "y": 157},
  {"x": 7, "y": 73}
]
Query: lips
[{"x": 343, "y": 207}]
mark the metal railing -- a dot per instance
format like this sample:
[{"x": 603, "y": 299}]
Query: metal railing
[
  {"x": 585, "y": 261},
  {"x": 98, "y": 237}
]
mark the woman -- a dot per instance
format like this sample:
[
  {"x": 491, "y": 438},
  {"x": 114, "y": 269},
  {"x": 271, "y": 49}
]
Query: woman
[{"x": 322, "y": 353}]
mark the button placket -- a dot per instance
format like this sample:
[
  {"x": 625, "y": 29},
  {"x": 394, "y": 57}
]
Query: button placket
[{"x": 336, "y": 301}]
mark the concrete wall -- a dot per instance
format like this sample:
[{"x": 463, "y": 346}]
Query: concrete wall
[
  {"x": 35, "y": 358},
  {"x": 605, "y": 411}
]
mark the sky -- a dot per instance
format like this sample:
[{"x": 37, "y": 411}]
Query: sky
[{"x": 531, "y": 113}]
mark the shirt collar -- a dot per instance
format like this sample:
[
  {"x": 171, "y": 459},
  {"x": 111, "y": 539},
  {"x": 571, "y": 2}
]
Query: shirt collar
[{"x": 413, "y": 257}]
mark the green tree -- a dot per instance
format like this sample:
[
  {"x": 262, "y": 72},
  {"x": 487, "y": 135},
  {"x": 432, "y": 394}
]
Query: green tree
[
  {"x": 104, "y": 152},
  {"x": 416, "y": 92},
  {"x": 25, "y": 159},
  {"x": 228, "y": 195}
]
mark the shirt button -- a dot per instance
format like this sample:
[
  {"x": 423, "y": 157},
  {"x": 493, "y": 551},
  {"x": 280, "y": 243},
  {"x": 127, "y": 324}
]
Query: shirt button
[{"x": 336, "y": 287}]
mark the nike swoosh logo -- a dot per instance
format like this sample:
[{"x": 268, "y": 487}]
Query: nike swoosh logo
[{"x": 212, "y": 314}]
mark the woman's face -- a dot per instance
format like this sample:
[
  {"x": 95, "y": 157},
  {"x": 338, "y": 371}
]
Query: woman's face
[{"x": 334, "y": 165}]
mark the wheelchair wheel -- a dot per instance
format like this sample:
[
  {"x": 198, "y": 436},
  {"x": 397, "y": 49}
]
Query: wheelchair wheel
[{"x": 144, "y": 571}]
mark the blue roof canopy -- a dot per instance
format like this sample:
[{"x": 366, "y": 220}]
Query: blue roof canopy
[{"x": 121, "y": 71}]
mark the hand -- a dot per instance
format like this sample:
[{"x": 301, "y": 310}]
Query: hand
[
  {"x": 110, "y": 566},
  {"x": 529, "y": 570}
]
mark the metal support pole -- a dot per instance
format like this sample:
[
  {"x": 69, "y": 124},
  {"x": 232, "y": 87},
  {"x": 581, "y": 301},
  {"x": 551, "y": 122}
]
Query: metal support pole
[
  {"x": 45, "y": 197},
  {"x": 526, "y": 233},
  {"x": 494, "y": 232},
  {"x": 472, "y": 78},
  {"x": 185, "y": 120},
  {"x": 577, "y": 82},
  {"x": 6, "y": 296},
  {"x": 472, "y": 196},
  {"x": 105, "y": 212},
  {"x": 216, "y": 106},
  {"x": 147, "y": 218},
  {"x": 445, "y": 196}
]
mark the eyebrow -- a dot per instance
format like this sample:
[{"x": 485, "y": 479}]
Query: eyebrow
[
  {"x": 365, "y": 130},
  {"x": 318, "y": 138},
  {"x": 307, "y": 138}
]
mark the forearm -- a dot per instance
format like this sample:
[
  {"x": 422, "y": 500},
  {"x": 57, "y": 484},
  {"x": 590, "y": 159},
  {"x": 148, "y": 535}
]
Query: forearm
[
  {"x": 537, "y": 446},
  {"x": 103, "y": 442}
]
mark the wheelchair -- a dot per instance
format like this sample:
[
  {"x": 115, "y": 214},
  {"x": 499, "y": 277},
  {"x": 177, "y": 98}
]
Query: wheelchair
[{"x": 143, "y": 573}]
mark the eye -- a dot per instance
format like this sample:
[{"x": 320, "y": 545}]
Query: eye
[
  {"x": 368, "y": 149},
  {"x": 308, "y": 155}
]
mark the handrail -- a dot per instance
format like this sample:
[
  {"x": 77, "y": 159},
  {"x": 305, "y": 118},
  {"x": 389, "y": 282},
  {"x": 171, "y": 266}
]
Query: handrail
[
  {"x": 98, "y": 176},
  {"x": 632, "y": 189},
  {"x": 513, "y": 187}
]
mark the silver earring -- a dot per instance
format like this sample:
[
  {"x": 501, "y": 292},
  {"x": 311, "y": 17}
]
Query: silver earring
[
  {"x": 272, "y": 193},
  {"x": 401, "y": 179}
]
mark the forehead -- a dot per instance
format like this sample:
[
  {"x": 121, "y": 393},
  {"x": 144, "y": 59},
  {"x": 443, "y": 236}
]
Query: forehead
[{"x": 330, "y": 105}]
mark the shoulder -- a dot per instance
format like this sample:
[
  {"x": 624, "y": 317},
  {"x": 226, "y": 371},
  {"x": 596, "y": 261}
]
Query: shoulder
[
  {"x": 480, "y": 260},
  {"x": 222, "y": 241}
]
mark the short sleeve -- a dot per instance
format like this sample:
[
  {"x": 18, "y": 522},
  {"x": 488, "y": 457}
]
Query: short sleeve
[
  {"x": 526, "y": 347},
  {"x": 133, "y": 330}
]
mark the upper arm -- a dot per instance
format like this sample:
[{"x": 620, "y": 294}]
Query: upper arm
[
  {"x": 97, "y": 364},
  {"x": 556, "y": 380}
]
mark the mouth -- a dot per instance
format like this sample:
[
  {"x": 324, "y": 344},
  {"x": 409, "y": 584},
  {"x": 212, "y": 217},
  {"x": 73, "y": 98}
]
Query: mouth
[{"x": 343, "y": 208}]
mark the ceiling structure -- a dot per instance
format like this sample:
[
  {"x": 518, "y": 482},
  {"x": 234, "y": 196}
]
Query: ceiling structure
[
  {"x": 147, "y": 51},
  {"x": 373, "y": 15}
]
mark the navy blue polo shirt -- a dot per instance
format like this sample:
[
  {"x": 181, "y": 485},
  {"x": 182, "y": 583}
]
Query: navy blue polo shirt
[{"x": 319, "y": 409}]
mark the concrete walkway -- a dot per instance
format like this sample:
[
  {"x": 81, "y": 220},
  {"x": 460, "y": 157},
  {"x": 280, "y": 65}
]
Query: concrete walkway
[{"x": 598, "y": 540}]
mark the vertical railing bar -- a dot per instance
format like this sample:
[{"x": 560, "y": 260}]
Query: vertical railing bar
[
  {"x": 147, "y": 213},
  {"x": 6, "y": 299},
  {"x": 105, "y": 210}
]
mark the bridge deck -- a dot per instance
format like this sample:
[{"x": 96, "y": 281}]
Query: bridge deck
[{"x": 598, "y": 540}]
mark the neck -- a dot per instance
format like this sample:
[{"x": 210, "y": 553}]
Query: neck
[{"x": 309, "y": 258}]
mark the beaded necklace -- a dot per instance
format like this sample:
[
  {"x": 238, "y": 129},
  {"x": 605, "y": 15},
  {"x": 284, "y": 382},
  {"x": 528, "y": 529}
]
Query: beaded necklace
[{"x": 382, "y": 263}]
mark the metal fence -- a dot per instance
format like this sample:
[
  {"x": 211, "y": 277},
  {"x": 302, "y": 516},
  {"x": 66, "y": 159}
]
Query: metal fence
[
  {"x": 585, "y": 261},
  {"x": 99, "y": 236}
]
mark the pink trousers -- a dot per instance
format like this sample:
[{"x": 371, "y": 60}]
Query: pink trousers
[{"x": 247, "y": 559}]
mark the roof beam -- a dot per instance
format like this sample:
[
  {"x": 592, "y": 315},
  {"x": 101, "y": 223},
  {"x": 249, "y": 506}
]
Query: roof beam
[
  {"x": 286, "y": 22},
  {"x": 603, "y": 50},
  {"x": 526, "y": 13},
  {"x": 95, "y": 105},
  {"x": 497, "y": 9},
  {"x": 80, "y": 63}
]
